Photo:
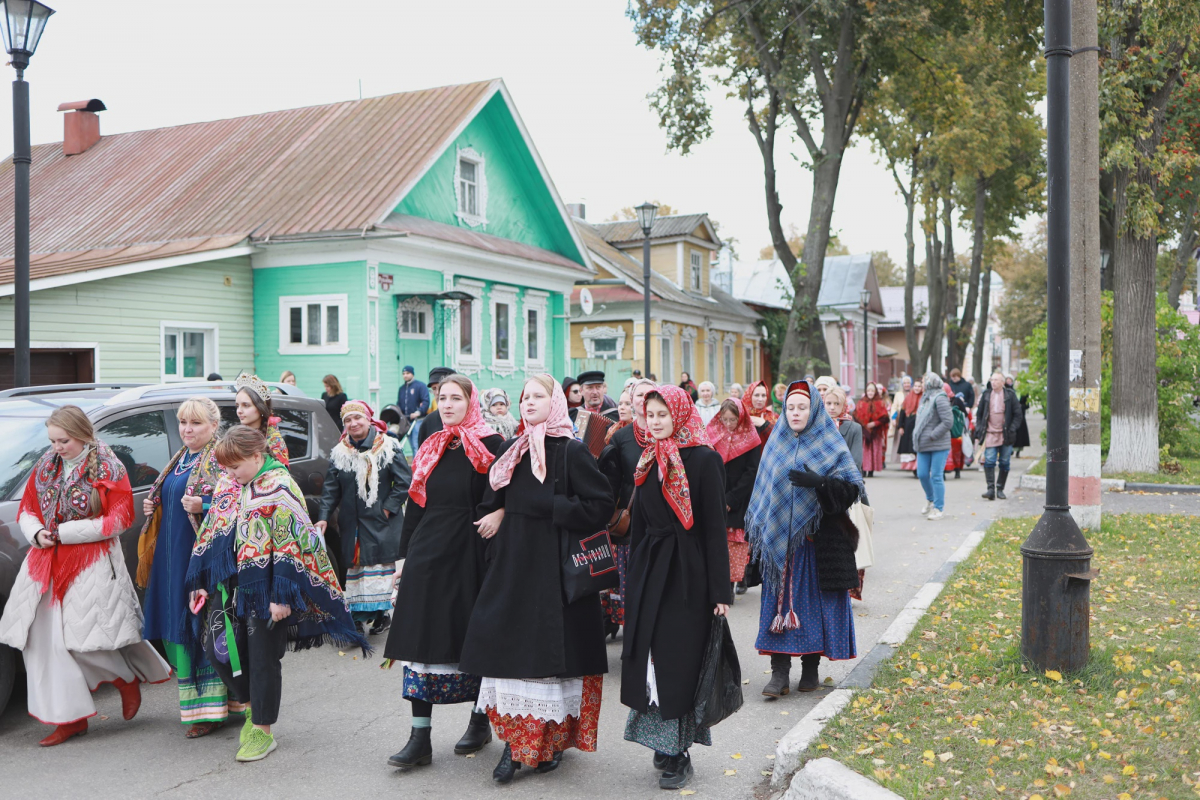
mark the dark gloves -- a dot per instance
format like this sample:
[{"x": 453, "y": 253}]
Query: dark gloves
[{"x": 806, "y": 479}]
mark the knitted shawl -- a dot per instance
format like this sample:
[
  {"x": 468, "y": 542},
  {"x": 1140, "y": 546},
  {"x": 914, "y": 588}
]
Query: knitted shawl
[
  {"x": 202, "y": 482},
  {"x": 780, "y": 515},
  {"x": 366, "y": 464}
]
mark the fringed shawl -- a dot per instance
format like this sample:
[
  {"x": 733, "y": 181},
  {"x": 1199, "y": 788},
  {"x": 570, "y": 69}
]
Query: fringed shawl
[
  {"x": 780, "y": 514},
  {"x": 202, "y": 482},
  {"x": 689, "y": 432},
  {"x": 54, "y": 498}
]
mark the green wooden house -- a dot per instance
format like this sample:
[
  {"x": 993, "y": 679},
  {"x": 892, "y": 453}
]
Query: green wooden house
[{"x": 418, "y": 228}]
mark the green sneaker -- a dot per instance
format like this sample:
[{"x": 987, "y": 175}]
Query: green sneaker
[
  {"x": 246, "y": 728},
  {"x": 258, "y": 745}
]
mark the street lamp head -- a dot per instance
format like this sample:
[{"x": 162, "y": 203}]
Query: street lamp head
[
  {"x": 645, "y": 214},
  {"x": 865, "y": 296},
  {"x": 22, "y": 24}
]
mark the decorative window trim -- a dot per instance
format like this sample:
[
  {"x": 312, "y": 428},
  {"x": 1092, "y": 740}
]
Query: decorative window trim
[
  {"x": 687, "y": 356},
  {"x": 468, "y": 365},
  {"x": 508, "y": 296},
  {"x": 668, "y": 329},
  {"x": 666, "y": 354},
  {"x": 473, "y": 220},
  {"x": 748, "y": 362},
  {"x": 414, "y": 304},
  {"x": 590, "y": 335},
  {"x": 695, "y": 270},
  {"x": 534, "y": 300},
  {"x": 287, "y": 302},
  {"x": 211, "y": 348}
]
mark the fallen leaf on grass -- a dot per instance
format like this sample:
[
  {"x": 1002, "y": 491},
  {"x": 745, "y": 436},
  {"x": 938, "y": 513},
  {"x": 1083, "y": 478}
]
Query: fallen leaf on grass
[
  {"x": 1061, "y": 790},
  {"x": 1054, "y": 675},
  {"x": 946, "y": 756}
]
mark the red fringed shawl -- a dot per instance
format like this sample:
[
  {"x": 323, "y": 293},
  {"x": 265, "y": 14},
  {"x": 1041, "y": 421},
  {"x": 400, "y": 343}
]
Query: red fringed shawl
[{"x": 53, "y": 498}]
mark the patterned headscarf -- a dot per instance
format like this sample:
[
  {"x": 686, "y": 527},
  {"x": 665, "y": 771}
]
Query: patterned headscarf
[
  {"x": 689, "y": 432},
  {"x": 363, "y": 408},
  {"x": 766, "y": 412},
  {"x": 780, "y": 514},
  {"x": 729, "y": 444},
  {"x": 471, "y": 432},
  {"x": 639, "y": 432},
  {"x": 532, "y": 439}
]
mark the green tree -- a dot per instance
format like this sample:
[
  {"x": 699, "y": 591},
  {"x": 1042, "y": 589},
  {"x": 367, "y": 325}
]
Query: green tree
[{"x": 1022, "y": 265}]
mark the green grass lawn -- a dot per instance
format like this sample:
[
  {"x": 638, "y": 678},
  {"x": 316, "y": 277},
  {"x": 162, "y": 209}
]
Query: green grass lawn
[
  {"x": 1189, "y": 473},
  {"x": 956, "y": 712}
]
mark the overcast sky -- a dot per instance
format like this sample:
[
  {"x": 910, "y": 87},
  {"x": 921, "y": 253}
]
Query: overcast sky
[{"x": 574, "y": 69}]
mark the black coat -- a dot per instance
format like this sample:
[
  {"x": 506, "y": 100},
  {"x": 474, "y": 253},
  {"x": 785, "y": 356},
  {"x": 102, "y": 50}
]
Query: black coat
[
  {"x": 1022, "y": 438},
  {"x": 905, "y": 423},
  {"x": 618, "y": 462},
  {"x": 739, "y": 485},
  {"x": 675, "y": 578},
  {"x": 1014, "y": 416},
  {"x": 377, "y": 534},
  {"x": 444, "y": 563},
  {"x": 520, "y": 627},
  {"x": 430, "y": 424},
  {"x": 836, "y": 538},
  {"x": 334, "y": 406}
]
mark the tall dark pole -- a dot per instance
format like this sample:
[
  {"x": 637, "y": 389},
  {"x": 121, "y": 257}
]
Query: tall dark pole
[
  {"x": 866, "y": 351},
  {"x": 646, "y": 297},
  {"x": 22, "y": 158},
  {"x": 1056, "y": 558}
]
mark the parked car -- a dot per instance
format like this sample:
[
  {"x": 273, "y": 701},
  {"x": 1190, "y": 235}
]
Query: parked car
[{"x": 139, "y": 424}]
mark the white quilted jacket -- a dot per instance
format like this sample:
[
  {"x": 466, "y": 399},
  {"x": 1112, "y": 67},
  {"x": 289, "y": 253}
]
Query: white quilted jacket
[{"x": 100, "y": 609}]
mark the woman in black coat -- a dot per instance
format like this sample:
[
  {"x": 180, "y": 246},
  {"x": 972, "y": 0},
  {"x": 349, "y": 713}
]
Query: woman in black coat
[
  {"x": 442, "y": 570},
  {"x": 678, "y": 578},
  {"x": 542, "y": 660},
  {"x": 334, "y": 398},
  {"x": 733, "y": 436}
]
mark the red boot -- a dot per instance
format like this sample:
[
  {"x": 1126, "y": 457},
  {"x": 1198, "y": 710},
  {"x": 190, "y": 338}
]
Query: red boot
[
  {"x": 131, "y": 697},
  {"x": 64, "y": 732}
]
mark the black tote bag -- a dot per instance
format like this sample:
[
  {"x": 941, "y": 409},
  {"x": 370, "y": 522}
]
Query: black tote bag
[{"x": 588, "y": 564}]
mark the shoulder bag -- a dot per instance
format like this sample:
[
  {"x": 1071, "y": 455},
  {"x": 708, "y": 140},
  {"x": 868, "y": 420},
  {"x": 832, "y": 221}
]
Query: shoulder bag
[{"x": 588, "y": 565}]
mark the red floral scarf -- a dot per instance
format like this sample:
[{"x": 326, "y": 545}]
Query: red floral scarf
[
  {"x": 471, "y": 432},
  {"x": 740, "y": 441},
  {"x": 765, "y": 412},
  {"x": 689, "y": 432}
]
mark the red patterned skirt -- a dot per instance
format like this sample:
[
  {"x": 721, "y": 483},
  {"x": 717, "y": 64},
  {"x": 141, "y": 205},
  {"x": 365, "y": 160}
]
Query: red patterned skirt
[
  {"x": 873, "y": 453},
  {"x": 739, "y": 553},
  {"x": 534, "y": 740},
  {"x": 955, "y": 460}
]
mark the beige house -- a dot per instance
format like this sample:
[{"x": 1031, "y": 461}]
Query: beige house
[{"x": 695, "y": 326}]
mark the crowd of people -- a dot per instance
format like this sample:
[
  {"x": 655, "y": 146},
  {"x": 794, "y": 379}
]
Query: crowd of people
[{"x": 455, "y": 555}]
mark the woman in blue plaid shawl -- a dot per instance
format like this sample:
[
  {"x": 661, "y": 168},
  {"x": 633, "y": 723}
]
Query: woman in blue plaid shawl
[{"x": 804, "y": 542}]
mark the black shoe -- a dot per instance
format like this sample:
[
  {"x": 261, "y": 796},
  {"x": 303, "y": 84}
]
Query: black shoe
[
  {"x": 781, "y": 668},
  {"x": 957, "y": 474},
  {"x": 382, "y": 623},
  {"x": 478, "y": 734},
  {"x": 661, "y": 760},
  {"x": 741, "y": 588},
  {"x": 1001, "y": 479},
  {"x": 679, "y": 772},
  {"x": 417, "y": 753},
  {"x": 611, "y": 628},
  {"x": 809, "y": 679},
  {"x": 504, "y": 771},
  {"x": 551, "y": 765},
  {"x": 989, "y": 473}
]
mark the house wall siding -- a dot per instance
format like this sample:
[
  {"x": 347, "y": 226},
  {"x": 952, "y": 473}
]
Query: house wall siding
[{"x": 124, "y": 315}]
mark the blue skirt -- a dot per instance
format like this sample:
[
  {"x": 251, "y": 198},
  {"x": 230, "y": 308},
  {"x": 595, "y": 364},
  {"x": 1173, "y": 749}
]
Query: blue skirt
[{"x": 826, "y": 620}]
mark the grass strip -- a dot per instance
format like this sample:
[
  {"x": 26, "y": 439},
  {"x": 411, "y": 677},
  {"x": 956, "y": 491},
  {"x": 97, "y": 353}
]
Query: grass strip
[{"x": 957, "y": 713}]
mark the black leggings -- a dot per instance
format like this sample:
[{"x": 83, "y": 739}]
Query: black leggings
[
  {"x": 421, "y": 708},
  {"x": 261, "y": 648}
]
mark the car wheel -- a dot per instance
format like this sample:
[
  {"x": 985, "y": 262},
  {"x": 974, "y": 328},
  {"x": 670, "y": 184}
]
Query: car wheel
[{"x": 8, "y": 674}]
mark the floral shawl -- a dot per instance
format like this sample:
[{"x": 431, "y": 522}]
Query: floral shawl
[
  {"x": 740, "y": 441},
  {"x": 54, "y": 498},
  {"x": 470, "y": 432},
  {"x": 766, "y": 412},
  {"x": 689, "y": 432},
  {"x": 202, "y": 482}
]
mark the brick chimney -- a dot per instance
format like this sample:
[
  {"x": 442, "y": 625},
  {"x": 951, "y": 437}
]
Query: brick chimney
[{"x": 81, "y": 126}]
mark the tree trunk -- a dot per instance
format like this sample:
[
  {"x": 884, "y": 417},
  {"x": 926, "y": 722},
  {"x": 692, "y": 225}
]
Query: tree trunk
[
  {"x": 1133, "y": 445},
  {"x": 910, "y": 270},
  {"x": 1108, "y": 231},
  {"x": 967, "y": 327},
  {"x": 931, "y": 346},
  {"x": 949, "y": 285},
  {"x": 985, "y": 292},
  {"x": 1183, "y": 254}
]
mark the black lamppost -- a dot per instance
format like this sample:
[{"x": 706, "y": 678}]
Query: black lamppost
[
  {"x": 1056, "y": 558},
  {"x": 865, "y": 297},
  {"x": 23, "y": 22},
  {"x": 645, "y": 214}
]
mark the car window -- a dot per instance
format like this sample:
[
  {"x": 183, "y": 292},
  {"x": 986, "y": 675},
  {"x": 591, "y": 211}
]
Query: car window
[
  {"x": 24, "y": 441},
  {"x": 293, "y": 426},
  {"x": 140, "y": 442}
]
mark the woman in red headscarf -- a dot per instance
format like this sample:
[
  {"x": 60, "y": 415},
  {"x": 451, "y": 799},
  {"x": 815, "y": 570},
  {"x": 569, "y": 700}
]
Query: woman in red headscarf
[
  {"x": 437, "y": 590},
  {"x": 678, "y": 578},
  {"x": 871, "y": 412},
  {"x": 905, "y": 423},
  {"x": 542, "y": 660},
  {"x": 733, "y": 437},
  {"x": 757, "y": 403}
]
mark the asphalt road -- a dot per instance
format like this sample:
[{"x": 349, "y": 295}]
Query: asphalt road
[{"x": 342, "y": 716}]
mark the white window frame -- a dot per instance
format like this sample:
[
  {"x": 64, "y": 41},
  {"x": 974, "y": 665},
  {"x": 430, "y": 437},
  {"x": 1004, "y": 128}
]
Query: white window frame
[
  {"x": 212, "y": 348},
  {"x": 479, "y": 218},
  {"x": 590, "y": 335},
  {"x": 507, "y": 295},
  {"x": 469, "y": 364},
  {"x": 666, "y": 351},
  {"x": 414, "y": 305},
  {"x": 696, "y": 273},
  {"x": 288, "y": 302},
  {"x": 534, "y": 300}
]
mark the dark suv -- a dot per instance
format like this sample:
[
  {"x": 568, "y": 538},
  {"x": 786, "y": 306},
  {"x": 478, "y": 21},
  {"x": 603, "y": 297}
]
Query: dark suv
[{"x": 139, "y": 424}]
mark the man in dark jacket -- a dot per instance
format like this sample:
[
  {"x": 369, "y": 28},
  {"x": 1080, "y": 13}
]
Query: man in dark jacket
[
  {"x": 367, "y": 482},
  {"x": 960, "y": 385},
  {"x": 996, "y": 422},
  {"x": 413, "y": 401},
  {"x": 433, "y": 421}
]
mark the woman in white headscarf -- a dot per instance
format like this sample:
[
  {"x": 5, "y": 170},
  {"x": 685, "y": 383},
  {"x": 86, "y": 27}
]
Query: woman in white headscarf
[{"x": 708, "y": 405}]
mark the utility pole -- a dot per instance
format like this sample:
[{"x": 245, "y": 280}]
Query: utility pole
[{"x": 1085, "y": 267}]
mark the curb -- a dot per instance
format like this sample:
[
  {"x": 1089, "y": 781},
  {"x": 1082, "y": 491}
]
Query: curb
[
  {"x": 1038, "y": 484},
  {"x": 824, "y": 778},
  {"x": 792, "y": 745},
  {"x": 1161, "y": 488}
]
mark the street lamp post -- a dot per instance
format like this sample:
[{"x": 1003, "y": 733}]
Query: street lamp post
[
  {"x": 645, "y": 214},
  {"x": 1056, "y": 569},
  {"x": 23, "y": 22},
  {"x": 865, "y": 296}
]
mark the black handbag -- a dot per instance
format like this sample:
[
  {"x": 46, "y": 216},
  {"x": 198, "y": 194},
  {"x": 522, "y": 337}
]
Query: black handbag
[
  {"x": 753, "y": 574},
  {"x": 719, "y": 692},
  {"x": 588, "y": 564}
]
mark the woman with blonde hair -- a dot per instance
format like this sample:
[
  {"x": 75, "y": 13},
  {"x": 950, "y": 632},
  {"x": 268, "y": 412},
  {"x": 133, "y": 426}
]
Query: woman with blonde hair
[
  {"x": 288, "y": 377},
  {"x": 73, "y": 611},
  {"x": 174, "y": 510}
]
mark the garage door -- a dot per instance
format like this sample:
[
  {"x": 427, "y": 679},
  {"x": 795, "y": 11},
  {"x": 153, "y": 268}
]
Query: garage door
[{"x": 49, "y": 366}]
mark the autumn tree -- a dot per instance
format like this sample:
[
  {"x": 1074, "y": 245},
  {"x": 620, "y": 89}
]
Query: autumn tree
[
  {"x": 795, "y": 242},
  {"x": 1180, "y": 193}
]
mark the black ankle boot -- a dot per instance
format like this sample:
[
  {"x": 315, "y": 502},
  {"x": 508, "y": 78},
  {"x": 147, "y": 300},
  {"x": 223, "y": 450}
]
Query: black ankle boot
[
  {"x": 809, "y": 680},
  {"x": 478, "y": 734},
  {"x": 678, "y": 772},
  {"x": 661, "y": 761},
  {"x": 741, "y": 587},
  {"x": 504, "y": 771},
  {"x": 781, "y": 668},
  {"x": 990, "y": 474},
  {"x": 551, "y": 765},
  {"x": 381, "y": 625},
  {"x": 1001, "y": 479},
  {"x": 417, "y": 753},
  {"x": 611, "y": 628}
]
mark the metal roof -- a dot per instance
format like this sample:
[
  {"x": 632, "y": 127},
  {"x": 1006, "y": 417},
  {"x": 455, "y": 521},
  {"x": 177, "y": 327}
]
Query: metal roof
[
  {"x": 765, "y": 283},
  {"x": 664, "y": 228},
  {"x": 625, "y": 266},
  {"x": 842, "y": 278},
  {"x": 419, "y": 226},
  {"x": 169, "y": 191},
  {"x": 893, "y": 305}
]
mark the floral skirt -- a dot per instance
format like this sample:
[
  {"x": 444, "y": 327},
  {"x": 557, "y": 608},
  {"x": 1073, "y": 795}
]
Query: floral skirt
[
  {"x": 739, "y": 553},
  {"x": 538, "y": 718},
  {"x": 874, "y": 454},
  {"x": 440, "y": 684},
  {"x": 668, "y": 736}
]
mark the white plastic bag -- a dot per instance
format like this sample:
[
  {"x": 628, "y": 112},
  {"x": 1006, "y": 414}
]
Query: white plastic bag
[{"x": 863, "y": 518}]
